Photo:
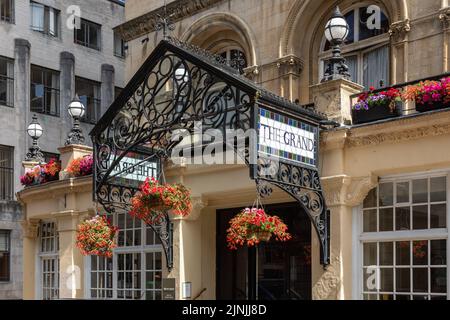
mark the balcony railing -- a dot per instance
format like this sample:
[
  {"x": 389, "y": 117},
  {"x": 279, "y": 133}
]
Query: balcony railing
[{"x": 421, "y": 95}]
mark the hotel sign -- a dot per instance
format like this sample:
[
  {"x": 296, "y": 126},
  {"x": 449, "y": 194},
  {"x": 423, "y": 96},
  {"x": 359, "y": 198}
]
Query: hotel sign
[
  {"x": 287, "y": 138},
  {"x": 129, "y": 168}
]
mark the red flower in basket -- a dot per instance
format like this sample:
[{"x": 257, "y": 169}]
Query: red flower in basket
[
  {"x": 96, "y": 237},
  {"x": 154, "y": 199},
  {"x": 251, "y": 226}
]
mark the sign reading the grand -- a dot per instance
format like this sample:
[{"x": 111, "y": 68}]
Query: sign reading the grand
[
  {"x": 133, "y": 168},
  {"x": 286, "y": 138}
]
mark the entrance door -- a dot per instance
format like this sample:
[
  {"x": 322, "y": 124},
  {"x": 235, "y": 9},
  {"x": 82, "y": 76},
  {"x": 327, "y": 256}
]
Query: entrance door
[{"x": 282, "y": 270}]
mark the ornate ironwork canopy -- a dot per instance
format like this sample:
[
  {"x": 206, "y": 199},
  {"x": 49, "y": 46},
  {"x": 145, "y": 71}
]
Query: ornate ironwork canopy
[{"x": 177, "y": 87}]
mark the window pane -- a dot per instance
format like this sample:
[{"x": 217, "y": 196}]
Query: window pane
[
  {"x": 420, "y": 280},
  {"x": 370, "y": 220},
  {"x": 402, "y": 219},
  {"x": 438, "y": 216},
  {"x": 371, "y": 200},
  {"x": 93, "y": 37},
  {"x": 420, "y": 191},
  {"x": 403, "y": 280},
  {"x": 370, "y": 297},
  {"x": 402, "y": 297},
  {"x": 438, "y": 188},
  {"x": 370, "y": 254},
  {"x": 386, "y": 194},
  {"x": 372, "y": 23},
  {"x": 376, "y": 68},
  {"x": 438, "y": 280},
  {"x": 403, "y": 192},
  {"x": 403, "y": 252},
  {"x": 420, "y": 217},
  {"x": 387, "y": 280},
  {"x": 438, "y": 252},
  {"x": 386, "y": 253},
  {"x": 387, "y": 219},
  {"x": 420, "y": 252},
  {"x": 370, "y": 279}
]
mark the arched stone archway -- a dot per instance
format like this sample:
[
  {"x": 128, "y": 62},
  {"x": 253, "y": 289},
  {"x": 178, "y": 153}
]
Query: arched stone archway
[{"x": 205, "y": 33}]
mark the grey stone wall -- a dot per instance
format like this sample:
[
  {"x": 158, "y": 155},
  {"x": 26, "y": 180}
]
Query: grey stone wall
[
  {"x": 28, "y": 47},
  {"x": 10, "y": 215}
]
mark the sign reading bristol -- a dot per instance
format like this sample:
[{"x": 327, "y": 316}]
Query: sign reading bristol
[{"x": 287, "y": 138}]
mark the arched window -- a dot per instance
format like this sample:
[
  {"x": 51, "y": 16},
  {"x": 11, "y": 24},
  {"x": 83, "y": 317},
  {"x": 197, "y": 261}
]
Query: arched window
[
  {"x": 235, "y": 58},
  {"x": 366, "y": 48}
]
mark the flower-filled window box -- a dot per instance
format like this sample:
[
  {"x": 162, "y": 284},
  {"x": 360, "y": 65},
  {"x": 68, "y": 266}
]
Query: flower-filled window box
[
  {"x": 252, "y": 226},
  {"x": 154, "y": 199},
  {"x": 42, "y": 173},
  {"x": 377, "y": 106},
  {"x": 96, "y": 237},
  {"x": 429, "y": 95},
  {"x": 81, "y": 167}
]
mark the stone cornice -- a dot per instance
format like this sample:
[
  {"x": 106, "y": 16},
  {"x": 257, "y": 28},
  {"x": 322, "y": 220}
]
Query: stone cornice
[
  {"x": 146, "y": 23},
  {"x": 401, "y": 130}
]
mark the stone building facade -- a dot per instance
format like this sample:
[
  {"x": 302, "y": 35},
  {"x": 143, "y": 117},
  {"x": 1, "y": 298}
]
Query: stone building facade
[
  {"x": 386, "y": 182},
  {"x": 43, "y": 65}
]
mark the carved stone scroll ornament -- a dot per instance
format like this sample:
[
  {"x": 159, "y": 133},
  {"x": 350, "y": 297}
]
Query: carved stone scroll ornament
[
  {"x": 30, "y": 228},
  {"x": 327, "y": 287},
  {"x": 399, "y": 30}
]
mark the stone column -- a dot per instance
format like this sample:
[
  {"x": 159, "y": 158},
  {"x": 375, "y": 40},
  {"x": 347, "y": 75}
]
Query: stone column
[
  {"x": 290, "y": 67},
  {"x": 342, "y": 193},
  {"x": 107, "y": 87},
  {"x": 30, "y": 236},
  {"x": 67, "y": 91},
  {"x": 333, "y": 98},
  {"x": 399, "y": 50},
  {"x": 444, "y": 17},
  {"x": 22, "y": 50},
  {"x": 71, "y": 262}
]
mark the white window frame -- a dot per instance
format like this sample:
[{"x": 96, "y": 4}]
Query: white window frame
[
  {"x": 359, "y": 237},
  {"x": 143, "y": 249},
  {"x": 41, "y": 256}
]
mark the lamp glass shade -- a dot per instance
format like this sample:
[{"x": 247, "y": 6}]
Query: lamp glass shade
[
  {"x": 336, "y": 29},
  {"x": 76, "y": 109},
  {"x": 35, "y": 130}
]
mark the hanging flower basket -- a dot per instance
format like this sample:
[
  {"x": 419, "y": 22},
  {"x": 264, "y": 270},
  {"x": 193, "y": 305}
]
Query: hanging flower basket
[
  {"x": 154, "y": 199},
  {"x": 96, "y": 237},
  {"x": 252, "y": 226}
]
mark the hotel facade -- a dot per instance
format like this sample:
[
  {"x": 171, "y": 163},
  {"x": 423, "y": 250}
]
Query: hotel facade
[{"x": 385, "y": 182}]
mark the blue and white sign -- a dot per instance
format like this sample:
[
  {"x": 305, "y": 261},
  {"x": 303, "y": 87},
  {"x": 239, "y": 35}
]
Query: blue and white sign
[{"x": 287, "y": 138}]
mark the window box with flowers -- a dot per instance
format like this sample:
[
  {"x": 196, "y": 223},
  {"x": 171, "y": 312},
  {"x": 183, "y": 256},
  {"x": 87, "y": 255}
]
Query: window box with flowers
[
  {"x": 41, "y": 174},
  {"x": 81, "y": 167},
  {"x": 154, "y": 199},
  {"x": 373, "y": 106},
  {"x": 429, "y": 95},
  {"x": 252, "y": 226}
]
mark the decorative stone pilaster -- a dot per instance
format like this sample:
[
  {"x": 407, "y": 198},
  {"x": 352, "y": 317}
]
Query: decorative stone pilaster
[
  {"x": 107, "y": 87},
  {"x": 290, "y": 67},
  {"x": 444, "y": 17},
  {"x": 333, "y": 98},
  {"x": 399, "y": 54}
]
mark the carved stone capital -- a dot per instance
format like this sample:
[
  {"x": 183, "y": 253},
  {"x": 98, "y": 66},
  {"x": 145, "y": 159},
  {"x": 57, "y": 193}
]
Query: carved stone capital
[
  {"x": 399, "y": 30},
  {"x": 251, "y": 72},
  {"x": 348, "y": 191},
  {"x": 444, "y": 17},
  {"x": 290, "y": 64},
  {"x": 30, "y": 228}
]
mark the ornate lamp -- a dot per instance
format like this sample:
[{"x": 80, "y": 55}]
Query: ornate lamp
[
  {"x": 336, "y": 31},
  {"x": 35, "y": 131},
  {"x": 76, "y": 110}
]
